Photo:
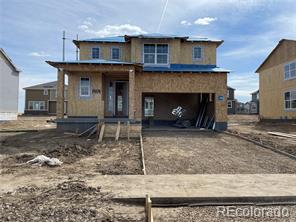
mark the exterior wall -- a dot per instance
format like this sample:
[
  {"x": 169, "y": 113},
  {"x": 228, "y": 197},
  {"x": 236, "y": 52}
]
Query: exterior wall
[
  {"x": 272, "y": 87},
  {"x": 36, "y": 95},
  {"x": 231, "y": 110},
  {"x": 179, "y": 52},
  {"x": 9, "y": 86},
  {"x": 105, "y": 53}
]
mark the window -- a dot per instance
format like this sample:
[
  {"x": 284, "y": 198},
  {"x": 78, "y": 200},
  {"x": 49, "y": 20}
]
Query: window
[
  {"x": 290, "y": 100},
  {"x": 290, "y": 70},
  {"x": 45, "y": 92},
  {"x": 148, "y": 106},
  {"x": 229, "y": 104},
  {"x": 36, "y": 105},
  {"x": 228, "y": 93},
  {"x": 84, "y": 86},
  {"x": 197, "y": 53},
  {"x": 115, "y": 53},
  {"x": 156, "y": 54},
  {"x": 95, "y": 53}
]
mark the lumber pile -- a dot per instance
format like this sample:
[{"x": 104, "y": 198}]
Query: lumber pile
[
  {"x": 203, "y": 120},
  {"x": 285, "y": 135}
]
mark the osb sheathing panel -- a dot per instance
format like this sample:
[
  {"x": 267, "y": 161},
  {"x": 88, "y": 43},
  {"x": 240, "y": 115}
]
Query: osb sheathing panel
[
  {"x": 105, "y": 53},
  {"x": 272, "y": 87},
  {"x": 36, "y": 95},
  {"x": 284, "y": 53},
  {"x": 90, "y": 106},
  {"x": 183, "y": 83}
]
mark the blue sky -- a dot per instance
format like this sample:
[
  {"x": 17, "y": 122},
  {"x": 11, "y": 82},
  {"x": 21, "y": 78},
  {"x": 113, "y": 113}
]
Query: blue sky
[{"x": 30, "y": 30}]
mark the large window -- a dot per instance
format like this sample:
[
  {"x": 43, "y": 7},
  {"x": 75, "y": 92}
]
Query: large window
[
  {"x": 290, "y": 70},
  {"x": 115, "y": 53},
  {"x": 197, "y": 53},
  {"x": 95, "y": 53},
  {"x": 229, "y": 104},
  {"x": 84, "y": 86},
  {"x": 36, "y": 105},
  {"x": 156, "y": 54},
  {"x": 290, "y": 100}
]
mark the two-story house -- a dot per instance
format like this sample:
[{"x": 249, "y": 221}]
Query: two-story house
[
  {"x": 254, "y": 103},
  {"x": 9, "y": 88},
  {"x": 231, "y": 102},
  {"x": 277, "y": 82},
  {"x": 41, "y": 99},
  {"x": 138, "y": 77}
]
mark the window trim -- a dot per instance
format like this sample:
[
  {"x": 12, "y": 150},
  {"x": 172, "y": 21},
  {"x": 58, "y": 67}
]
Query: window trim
[
  {"x": 89, "y": 86},
  {"x": 201, "y": 53},
  {"x": 111, "y": 53},
  {"x": 289, "y": 109},
  {"x": 35, "y": 101},
  {"x": 155, "y": 53},
  {"x": 95, "y": 47},
  {"x": 229, "y": 102},
  {"x": 289, "y": 63}
]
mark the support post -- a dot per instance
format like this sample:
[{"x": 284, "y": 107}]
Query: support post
[
  {"x": 60, "y": 93},
  {"x": 131, "y": 95}
]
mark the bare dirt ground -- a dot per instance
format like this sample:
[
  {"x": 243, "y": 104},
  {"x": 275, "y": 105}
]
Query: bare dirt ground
[
  {"x": 61, "y": 193},
  {"x": 211, "y": 153},
  {"x": 249, "y": 126}
]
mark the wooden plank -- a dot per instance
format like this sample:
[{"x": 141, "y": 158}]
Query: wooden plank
[
  {"x": 287, "y": 135},
  {"x": 128, "y": 130},
  {"x": 101, "y": 133},
  {"x": 117, "y": 131},
  {"x": 142, "y": 154},
  {"x": 92, "y": 132},
  {"x": 149, "y": 216}
]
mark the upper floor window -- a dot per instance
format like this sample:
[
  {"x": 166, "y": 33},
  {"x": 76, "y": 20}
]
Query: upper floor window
[
  {"x": 290, "y": 70},
  {"x": 45, "y": 92},
  {"x": 84, "y": 86},
  {"x": 290, "y": 100},
  {"x": 228, "y": 93},
  {"x": 197, "y": 53},
  {"x": 115, "y": 53},
  {"x": 156, "y": 54},
  {"x": 95, "y": 53}
]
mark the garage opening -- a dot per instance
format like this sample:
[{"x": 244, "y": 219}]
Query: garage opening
[{"x": 182, "y": 110}]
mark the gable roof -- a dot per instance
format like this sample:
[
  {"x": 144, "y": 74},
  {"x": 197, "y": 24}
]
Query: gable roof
[
  {"x": 9, "y": 60},
  {"x": 47, "y": 85},
  {"x": 272, "y": 52},
  {"x": 228, "y": 87},
  {"x": 127, "y": 38}
]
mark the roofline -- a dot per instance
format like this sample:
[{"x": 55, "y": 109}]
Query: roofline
[
  {"x": 82, "y": 62},
  {"x": 275, "y": 48},
  {"x": 44, "y": 84},
  {"x": 10, "y": 61}
]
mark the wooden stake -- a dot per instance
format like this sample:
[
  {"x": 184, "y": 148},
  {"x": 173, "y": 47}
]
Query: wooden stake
[
  {"x": 149, "y": 215},
  {"x": 117, "y": 131},
  {"x": 128, "y": 130},
  {"x": 101, "y": 133}
]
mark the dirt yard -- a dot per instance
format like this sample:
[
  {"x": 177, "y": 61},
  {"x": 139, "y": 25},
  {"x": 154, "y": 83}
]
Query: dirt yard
[
  {"x": 211, "y": 153},
  {"x": 249, "y": 126}
]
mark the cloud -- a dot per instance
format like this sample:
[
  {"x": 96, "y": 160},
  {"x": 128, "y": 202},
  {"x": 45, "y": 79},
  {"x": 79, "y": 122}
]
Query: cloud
[
  {"x": 39, "y": 54},
  {"x": 185, "y": 22},
  {"x": 113, "y": 30},
  {"x": 204, "y": 21}
]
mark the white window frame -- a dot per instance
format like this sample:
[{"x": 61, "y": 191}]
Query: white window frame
[
  {"x": 32, "y": 102},
  {"x": 89, "y": 84},
  {"x": 290, "y": 100},
  {"x": 201, "y": 53},
  {"x": 289, "y": 70},
  {"x": 155, "y": 55},
  {"x": 92, "y": 52},
  {"x": 111, "y": 52},
  {"x": 228, "y": 93},
  {"x": 45, "y": 92},
  {"x": 229, "y": 102}
]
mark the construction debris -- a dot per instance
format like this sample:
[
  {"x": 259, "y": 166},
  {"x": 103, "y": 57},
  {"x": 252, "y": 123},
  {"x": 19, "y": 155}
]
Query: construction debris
[
  {"x": 286, "y": 135},
  {"x": 42, "y": 160}
]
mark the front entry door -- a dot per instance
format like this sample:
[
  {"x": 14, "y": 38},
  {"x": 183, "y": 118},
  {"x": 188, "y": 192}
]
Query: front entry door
[{"x": 121, "y": 99}]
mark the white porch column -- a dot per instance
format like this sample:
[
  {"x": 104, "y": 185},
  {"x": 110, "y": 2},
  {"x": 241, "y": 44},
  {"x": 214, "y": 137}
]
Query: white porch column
[
  {"x": 60, "y": 93},
  {"x": 131, "y": 94}
]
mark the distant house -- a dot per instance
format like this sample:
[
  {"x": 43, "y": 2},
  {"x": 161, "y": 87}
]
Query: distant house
[
  {"x": 231, "y": 102},
  {"x": 9, "y": 88},
  {"x": 277, "y": 82},
  {"x": 254, "y": 103},
  {"x": 41, "y": 99}
]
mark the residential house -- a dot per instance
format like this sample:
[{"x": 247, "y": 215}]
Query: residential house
[
  {"x": 254, "y": 103},
  {"x": 136, "y": 78},
  {"x": 41, "y": 99},
  {"x": 9, "y": 88},
  {"x": 277, "y": 82},
  {"x": 231, "y": 102}
]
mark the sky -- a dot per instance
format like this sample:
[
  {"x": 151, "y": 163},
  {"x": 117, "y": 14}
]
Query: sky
[{"x": 31, "y": 31}]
